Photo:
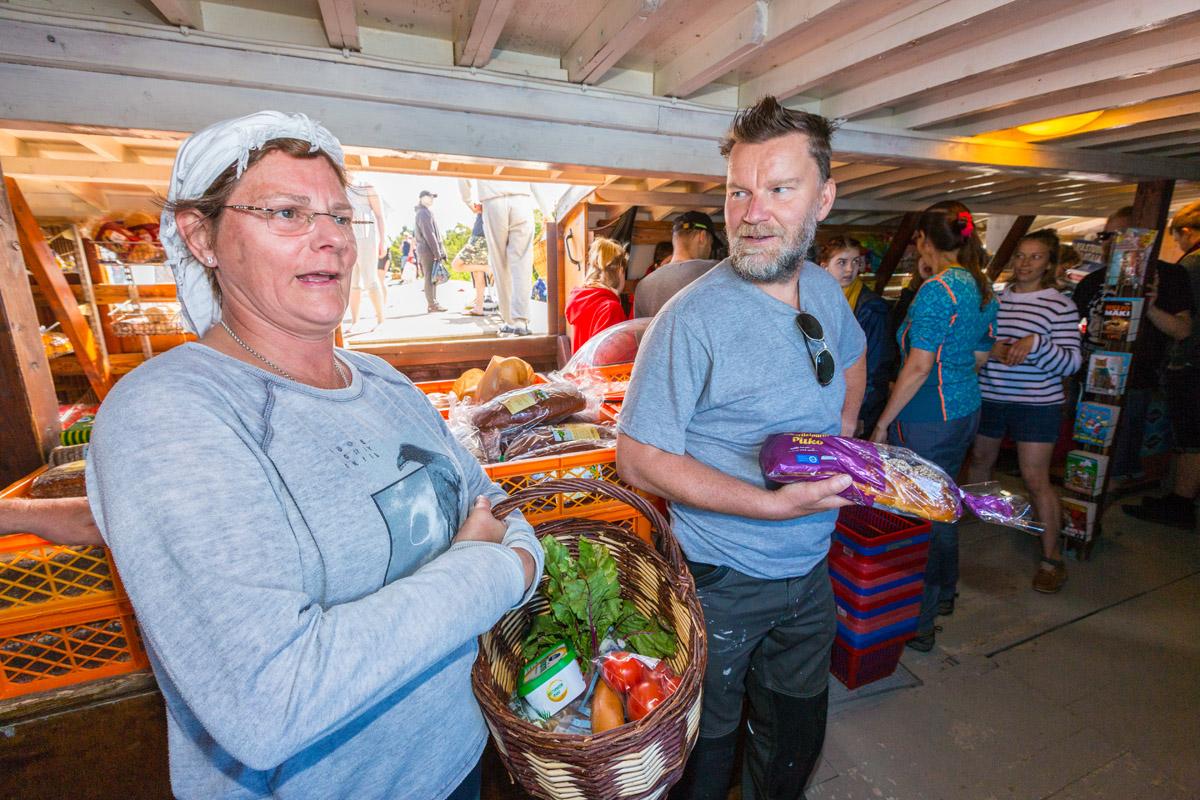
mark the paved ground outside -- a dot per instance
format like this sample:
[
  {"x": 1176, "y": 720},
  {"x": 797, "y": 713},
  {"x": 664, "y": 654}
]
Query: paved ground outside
[{"x": 406, "y": 316}]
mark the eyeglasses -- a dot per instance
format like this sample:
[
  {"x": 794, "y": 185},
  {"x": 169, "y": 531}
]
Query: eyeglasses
[
  {"x": 293, "y": 221},
  {"x": 822, "y": 362}
]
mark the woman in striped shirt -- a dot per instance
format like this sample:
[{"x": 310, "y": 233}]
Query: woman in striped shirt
[{"x": 1037, "y": 345}]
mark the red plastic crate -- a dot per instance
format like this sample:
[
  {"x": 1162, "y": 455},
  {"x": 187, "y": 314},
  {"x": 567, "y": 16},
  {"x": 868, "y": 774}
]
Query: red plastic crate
[
  {"x": 855, "y": 668},
  {"x": 867, "y": 603},
  {"x": 866, "y": 568},
  {"x": 877, "y": 582},
  {"x": 876, "y": 529},
  {"x": 862, "y": 626}
]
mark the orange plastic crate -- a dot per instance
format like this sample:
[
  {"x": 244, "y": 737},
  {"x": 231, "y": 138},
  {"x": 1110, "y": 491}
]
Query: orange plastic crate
[
  {"x": 37, "y": 577},
  {"x": 616, "y": 376},
  {"x": 55, "y": 650},
  {"x": 513, "y": 476}
]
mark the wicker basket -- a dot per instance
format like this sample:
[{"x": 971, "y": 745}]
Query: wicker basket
[{"x": 640, "y": 759}]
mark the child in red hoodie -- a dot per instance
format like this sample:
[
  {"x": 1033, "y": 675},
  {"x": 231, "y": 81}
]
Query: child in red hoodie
[{"x": 596, "y": 304}]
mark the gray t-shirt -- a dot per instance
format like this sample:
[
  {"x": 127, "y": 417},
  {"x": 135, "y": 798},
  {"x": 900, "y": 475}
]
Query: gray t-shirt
[
  {"x": 287, "y": 551},
  {"x": 722, "y": 367},
  {"x": 658, "y": 287}
]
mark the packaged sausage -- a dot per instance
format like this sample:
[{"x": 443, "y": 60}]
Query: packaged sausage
[{"x": 889, "y": 477}]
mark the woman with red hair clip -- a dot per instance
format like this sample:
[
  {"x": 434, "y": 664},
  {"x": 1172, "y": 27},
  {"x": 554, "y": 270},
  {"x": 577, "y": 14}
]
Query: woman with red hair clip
[{"x": 945, "y": 338}]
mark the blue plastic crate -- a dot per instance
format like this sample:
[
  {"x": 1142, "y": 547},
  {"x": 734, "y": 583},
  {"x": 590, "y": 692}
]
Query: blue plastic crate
[{"x": 865, "y": 640}]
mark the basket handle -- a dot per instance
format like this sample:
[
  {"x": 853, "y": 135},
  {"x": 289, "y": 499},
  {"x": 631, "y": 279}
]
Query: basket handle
[{"x": 667, "y": 546}]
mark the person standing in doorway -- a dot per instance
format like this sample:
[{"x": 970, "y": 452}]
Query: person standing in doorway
[
  {"x": 372, "y": 239},
  {"x": 508, "y": 226},
  {"x": 430, "y": 248},
  {"x": 763, "y": 343}
]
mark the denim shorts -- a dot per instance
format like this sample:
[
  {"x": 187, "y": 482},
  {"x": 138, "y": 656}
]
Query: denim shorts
[{"x": 1024, "y": 422}]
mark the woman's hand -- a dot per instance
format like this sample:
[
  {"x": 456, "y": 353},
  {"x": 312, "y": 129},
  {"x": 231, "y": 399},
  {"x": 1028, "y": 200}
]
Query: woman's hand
[
  {"x": 879, "y": 435},
  {"x": 1019, "y": 350},
  {"x": 65, "y": 520},
  {"x": 1000, "y": 350},
  {"x": 482, "y": 526}
]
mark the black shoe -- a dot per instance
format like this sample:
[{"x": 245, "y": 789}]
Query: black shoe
[
  {"x": 923, "y": 642},
  {"x": 946, "y": 608},
  {"x": 1164, "y": 513}
]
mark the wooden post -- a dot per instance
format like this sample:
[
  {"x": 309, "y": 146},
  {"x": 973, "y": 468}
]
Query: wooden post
[
  {"x": 554, "y": 306},
  {"x": 28, "y": 406},
  {"x": 40, "y": 261},
  {"x": 895, "y": 251},
  {"x": 1004, "y": 252},
  {"x": 1151, "y": 208}
]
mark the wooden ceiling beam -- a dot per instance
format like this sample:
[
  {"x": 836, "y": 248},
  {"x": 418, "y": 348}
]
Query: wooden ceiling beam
[
  {"x": 619, "y": 26},
  {"x": 610, "y": 197},
  {"x": 1138, "y": 99},
  {"x": 87, "y": 171},
  {"x": 488, "y": 116},
  {"x": 1129, "y": 134},
  {"x": 103, "y": 146},
  {"x": 1104, "y": 63},
  {"x": 715, "y": 54},
  {"x": 90, "y": 193},
  {"x": 180, "y": 12},
  {"x": 905, "y": 28},
  {"x": 849, "y": 188},
  {"x": 477, "y": 27},
  {"x": 1156, "y": 144},
  {"x": 1076, "y": 26},
  {"x": 341, "y": 24}
]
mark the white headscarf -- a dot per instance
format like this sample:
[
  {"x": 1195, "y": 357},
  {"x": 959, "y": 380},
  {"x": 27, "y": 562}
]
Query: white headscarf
[{"x": 200, "y": 161}]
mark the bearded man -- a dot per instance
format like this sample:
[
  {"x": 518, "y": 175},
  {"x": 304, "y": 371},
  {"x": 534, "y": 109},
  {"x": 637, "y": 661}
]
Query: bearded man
[{"x": 763, "y": 343}]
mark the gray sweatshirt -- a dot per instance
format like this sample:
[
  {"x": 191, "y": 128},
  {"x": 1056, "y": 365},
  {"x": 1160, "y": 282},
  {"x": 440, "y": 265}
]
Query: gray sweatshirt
[{"x": 287, "y": 550}]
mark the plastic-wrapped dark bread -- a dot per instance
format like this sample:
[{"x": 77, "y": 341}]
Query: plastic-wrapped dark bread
[
  {"x": 65, "y": 480},
  {"x": 540, "y": 404},
  {"x": 553, "y": 440}
]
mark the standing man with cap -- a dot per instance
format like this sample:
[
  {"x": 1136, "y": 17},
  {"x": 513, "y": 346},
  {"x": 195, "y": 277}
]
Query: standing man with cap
[
  {"x": 429, "y": 247},
  {"x": 692, "y": 238},
  {"x": 764, "y": 343},
  {"x": 508, "y": 225}
]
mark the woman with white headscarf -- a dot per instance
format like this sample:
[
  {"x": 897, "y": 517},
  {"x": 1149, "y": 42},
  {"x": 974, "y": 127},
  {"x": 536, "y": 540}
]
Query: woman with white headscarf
[{"x": 310, "y": 553}]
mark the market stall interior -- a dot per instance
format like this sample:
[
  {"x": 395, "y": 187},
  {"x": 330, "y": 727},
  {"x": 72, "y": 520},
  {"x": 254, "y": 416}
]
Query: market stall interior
[{"x": 1033, "y": 114}]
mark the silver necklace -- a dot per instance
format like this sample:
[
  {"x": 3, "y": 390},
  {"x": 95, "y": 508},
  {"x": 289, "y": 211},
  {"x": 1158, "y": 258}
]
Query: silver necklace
[{"x": 336, "y": 364}]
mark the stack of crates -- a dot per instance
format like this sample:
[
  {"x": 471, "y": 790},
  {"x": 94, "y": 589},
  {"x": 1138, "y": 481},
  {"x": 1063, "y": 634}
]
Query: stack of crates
[
  {"x": 64, "y": 615},
  {"x": 877, "y": 566}
]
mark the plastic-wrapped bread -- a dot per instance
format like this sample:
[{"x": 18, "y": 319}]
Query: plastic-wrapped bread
[
  {"x": 555, "y": 440},
  {"x": 65, "y": 480},
  {"x": 888, "y": 477},
  {"x": 540, "y": 404}
]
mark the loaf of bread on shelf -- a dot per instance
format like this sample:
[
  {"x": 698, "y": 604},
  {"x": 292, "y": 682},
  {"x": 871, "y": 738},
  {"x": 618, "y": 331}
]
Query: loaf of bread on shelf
[{"x": 65, "y": 480}]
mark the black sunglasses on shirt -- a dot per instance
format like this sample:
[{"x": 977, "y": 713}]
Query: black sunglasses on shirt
[{"x": 814, "y": 334}]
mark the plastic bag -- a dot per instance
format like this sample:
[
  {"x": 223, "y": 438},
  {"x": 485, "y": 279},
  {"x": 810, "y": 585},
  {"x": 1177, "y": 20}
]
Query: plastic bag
[
  {"x": 889, "y": 477},
  {"x": 616, "y": 345}
]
